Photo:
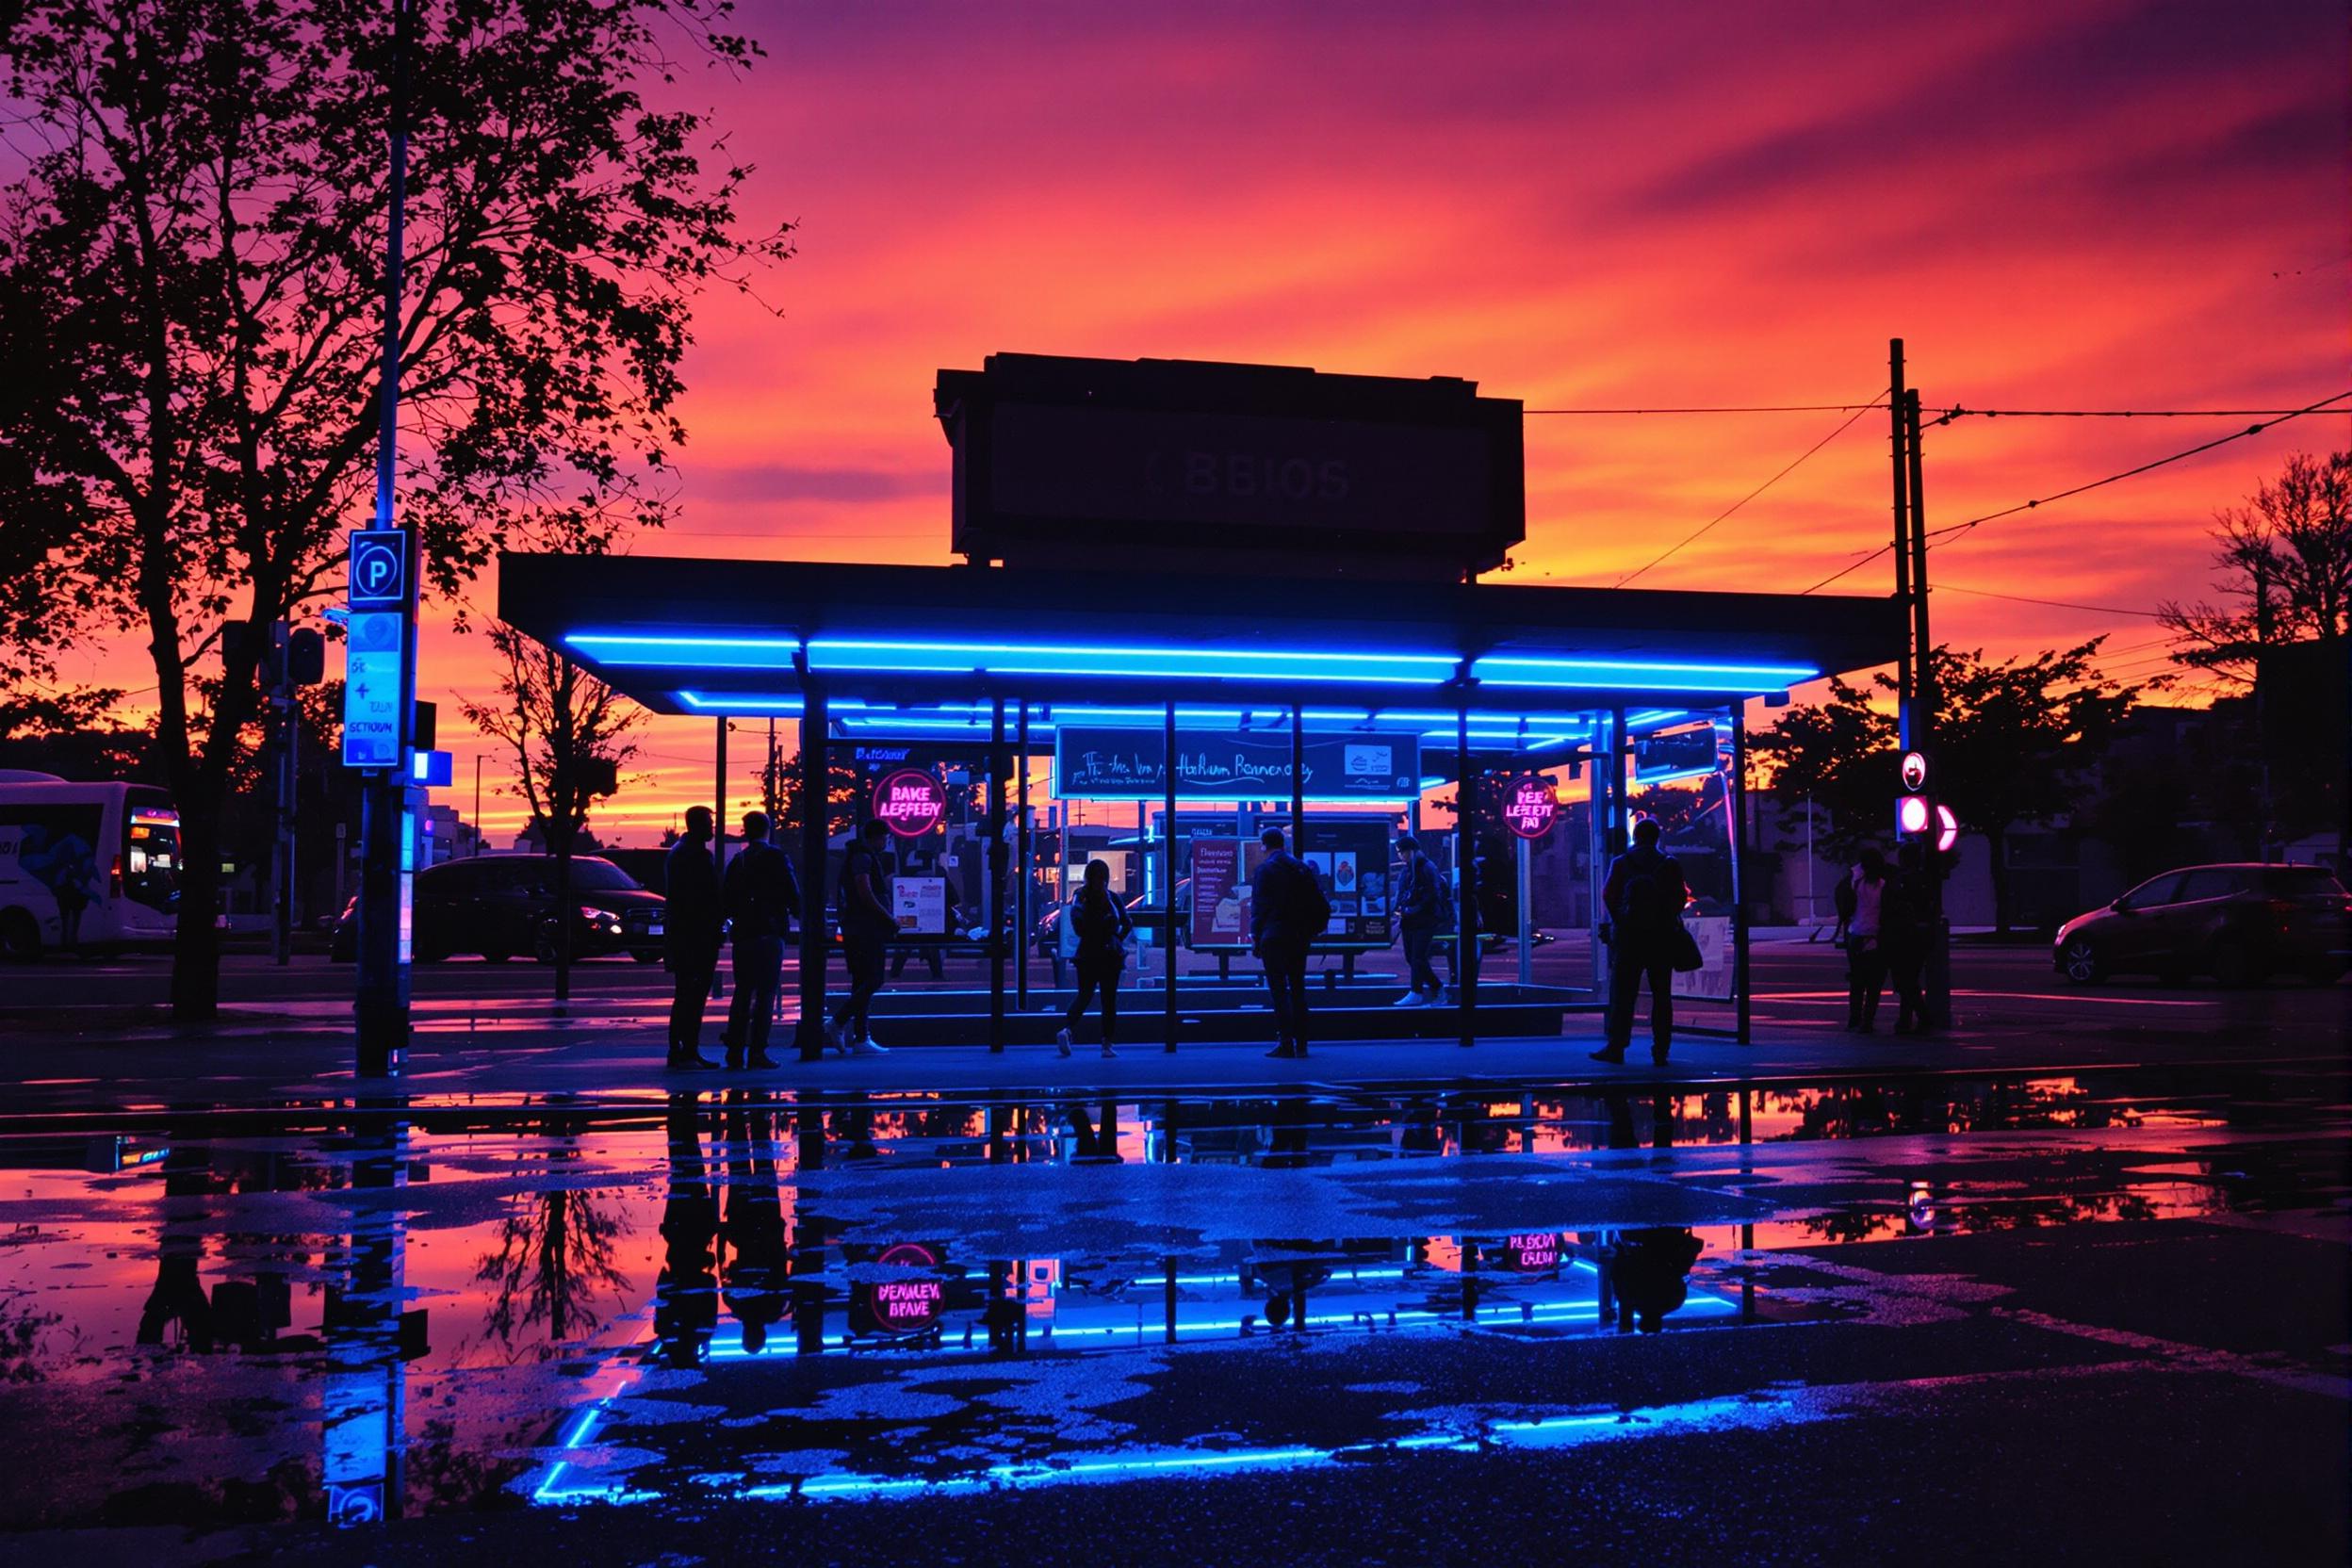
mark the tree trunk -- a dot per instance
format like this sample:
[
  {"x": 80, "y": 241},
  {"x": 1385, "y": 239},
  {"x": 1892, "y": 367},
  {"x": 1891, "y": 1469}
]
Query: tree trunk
[
  {"x": 195, "y": 940},
  {"x": 1997, "y": 863}
]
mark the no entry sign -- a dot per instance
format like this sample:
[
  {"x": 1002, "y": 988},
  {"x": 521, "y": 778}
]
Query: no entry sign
[{"x": 910, "y": 801}]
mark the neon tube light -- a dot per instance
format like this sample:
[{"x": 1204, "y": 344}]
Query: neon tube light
[
  {"x": 625, "y": 651},
  {"x": 1658, "y": 674},
  {"x": 1406, "y": 669}
]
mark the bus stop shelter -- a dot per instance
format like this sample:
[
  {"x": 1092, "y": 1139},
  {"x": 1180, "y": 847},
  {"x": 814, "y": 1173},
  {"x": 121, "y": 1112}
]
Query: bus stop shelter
[{"x": 1472, "y": 681}]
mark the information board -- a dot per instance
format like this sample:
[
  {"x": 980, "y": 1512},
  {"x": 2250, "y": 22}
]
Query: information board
[
  {"x": 372, "y": 669},
  {"x": 1349, "y": 859},
  {"x": 921, "y": 904},
  {"x": 1100, "y": 763},
  {"x": 1711, "y": 980}
]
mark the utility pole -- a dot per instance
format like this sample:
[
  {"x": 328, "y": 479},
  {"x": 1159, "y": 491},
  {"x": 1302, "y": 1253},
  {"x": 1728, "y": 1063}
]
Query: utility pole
[
  {"x": 381, "y": 1003},
  {"x": 1900, "y": 430},
  {"x": 477, "y": 802},
  {"x": 1918, "y": 726}
]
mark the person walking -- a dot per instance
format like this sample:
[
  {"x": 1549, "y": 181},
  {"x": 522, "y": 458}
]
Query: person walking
[
  {"x": 691, "y": 922},
  {"x": 1862, "y": 910},
  {"x": 1643, "y": 893},
  {"x": 1287, "y": 911},
  {"x": 1905, "y": 925},
  {"x": 867, "y": 924},
  {"x": 760, "y": 895},
  {"x": 1420, "y": 906},
  {"x": 1094, "y": 936}
]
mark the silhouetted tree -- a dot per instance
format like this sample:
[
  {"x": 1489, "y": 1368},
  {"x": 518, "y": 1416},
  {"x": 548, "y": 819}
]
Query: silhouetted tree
[
  {"x": 191, "y": 290},
  {"x": 2284, "y": 566},
  {"x": 2015, "y": 741}
]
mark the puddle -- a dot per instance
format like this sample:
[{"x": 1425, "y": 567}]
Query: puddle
[{"x": 351, "y": 1313}]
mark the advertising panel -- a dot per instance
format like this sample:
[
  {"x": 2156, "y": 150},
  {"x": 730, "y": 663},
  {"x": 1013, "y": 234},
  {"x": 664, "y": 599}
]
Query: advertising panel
[
  {"x": 374, "y": 663},
  {"x": 1349, "y": 859},
  {"x": 1711, "y": 980},
  {"x": 1095, "y": 763},
  {"x": 921, "y": 904},
  {"x": 1219, "y": 918}
]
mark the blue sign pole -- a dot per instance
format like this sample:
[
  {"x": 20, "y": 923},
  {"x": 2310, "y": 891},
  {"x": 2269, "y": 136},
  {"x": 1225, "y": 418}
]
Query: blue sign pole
[{"x": 382, "y": 676}]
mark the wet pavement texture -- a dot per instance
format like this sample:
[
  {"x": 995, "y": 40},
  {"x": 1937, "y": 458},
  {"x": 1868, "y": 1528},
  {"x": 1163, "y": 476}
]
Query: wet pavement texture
[{"x": 2066, "y": 1313}]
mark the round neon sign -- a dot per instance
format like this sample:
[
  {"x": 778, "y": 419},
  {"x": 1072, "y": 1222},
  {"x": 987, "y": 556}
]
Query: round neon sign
[
  {"x": 1529, "y": 806},
  {"x": 912, "y": 1305},
  {"x": 910, "y": 801}
]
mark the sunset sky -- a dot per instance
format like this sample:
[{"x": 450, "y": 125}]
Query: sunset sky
[{"x": 2060, "y": 206}]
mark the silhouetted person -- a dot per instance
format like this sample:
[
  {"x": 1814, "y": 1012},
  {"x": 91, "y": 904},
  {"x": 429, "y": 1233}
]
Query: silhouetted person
[
  {"x": 867, "y": 924},
  {"x": 691, "y": 922},
  {"x": 685, "y": 1295},
  {"x": 762, "y": 896},
  {"x": 753, "y": 1224},
  {"x": 1644, "y": 895},
  {"x": 1097, "y": 931},
  {"x": 1420, "y": 908},
  {"x": 1649, "y": 1275},
  {"x": 1906, "y": 927},
  {"x": 1287, "y": 911},
  {"x": 1862, "y": 910}
]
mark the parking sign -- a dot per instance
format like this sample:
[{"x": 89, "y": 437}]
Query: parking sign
[{"x": 379, "y": 569}]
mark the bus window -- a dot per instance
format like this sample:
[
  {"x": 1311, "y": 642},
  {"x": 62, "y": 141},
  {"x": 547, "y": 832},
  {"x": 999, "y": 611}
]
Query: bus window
[{"x": 151, "y": 852}]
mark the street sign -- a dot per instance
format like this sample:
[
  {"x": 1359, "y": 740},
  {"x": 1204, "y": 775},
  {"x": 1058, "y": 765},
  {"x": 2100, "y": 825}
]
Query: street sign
[
  {"x": 1529, "y": 806},
  {"x": 372, "y": 670},
  {"x": 433, "y": 769},
  {"x": 1914, "y": 772},
  {"x": 379, "y": 569}
]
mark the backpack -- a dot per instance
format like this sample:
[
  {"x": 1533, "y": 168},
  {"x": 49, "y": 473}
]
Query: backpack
[{"x": 1314, "y": 910}]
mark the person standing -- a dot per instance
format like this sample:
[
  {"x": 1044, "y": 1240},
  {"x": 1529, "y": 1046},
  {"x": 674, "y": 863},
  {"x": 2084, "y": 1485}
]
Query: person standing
[
  {"x": 1420, "y": 916},
  {"x": 1905, "y": 923},
  {"x": 1287, "y": 911},
  {"x": 1095, "y": 932},
  {"x": 691, "y": 923},
  {"x": 867, "y": 923},
  {"x": 762, "y": 895},
  {"x": 1644, "y": 893},
  {"x": 1862, "y": 909}
]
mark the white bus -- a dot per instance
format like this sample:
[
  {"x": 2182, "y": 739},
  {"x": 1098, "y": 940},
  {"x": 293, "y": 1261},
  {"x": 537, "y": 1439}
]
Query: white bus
[{"x": 85, "y": 866}]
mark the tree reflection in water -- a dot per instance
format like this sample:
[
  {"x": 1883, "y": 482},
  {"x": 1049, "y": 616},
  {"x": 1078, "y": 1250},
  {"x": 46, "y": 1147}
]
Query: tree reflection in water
[{"x": 557, "y": 1252}]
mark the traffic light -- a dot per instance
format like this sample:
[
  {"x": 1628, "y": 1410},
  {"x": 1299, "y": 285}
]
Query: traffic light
[
  {"x": 305, "y": 657},
  {"x": 1915, "y": 813}
]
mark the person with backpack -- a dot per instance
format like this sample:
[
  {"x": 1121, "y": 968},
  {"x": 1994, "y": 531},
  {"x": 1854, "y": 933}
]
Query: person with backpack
[
  {"x": 760, "y": 895},
  {"x": 867, "y": 926},
  {"x": 1644, "y": 893},
  {"x": 1287, "y": 911},
  {"x": 1861, "y": 915},
  {"x": 1422, "y": 906},
  {"x": 1094, "y": 933}
]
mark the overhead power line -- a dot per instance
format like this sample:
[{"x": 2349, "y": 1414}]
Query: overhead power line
[
  {"x": 1738, "y": 408},
  {"x": 1860, "y": 409},
  {"x": 1959, "y": 412},
  {"x": 1944, "y": 535},
  {"x": 2054, "y": 604}
]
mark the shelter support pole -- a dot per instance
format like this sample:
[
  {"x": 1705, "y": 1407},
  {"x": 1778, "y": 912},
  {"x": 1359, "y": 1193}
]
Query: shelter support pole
[
  {"x": 718, "y": 796},
  {"x": 996, "y": 876},
  {"x": 1168, "y": 864},
  {"x": 1736, "y": 801},
  {"x": 1298, "y": 781},
  {"x": 1020, "y": 841},
  {"x": 816, "y": 773},
  {"x": 1525, "y": 856},
  {"x": 1465, "y": 876}
]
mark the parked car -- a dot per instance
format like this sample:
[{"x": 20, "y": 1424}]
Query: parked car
[
  {"x": 2236, "y": 923},
  {"x": 503, "y": 904}
]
